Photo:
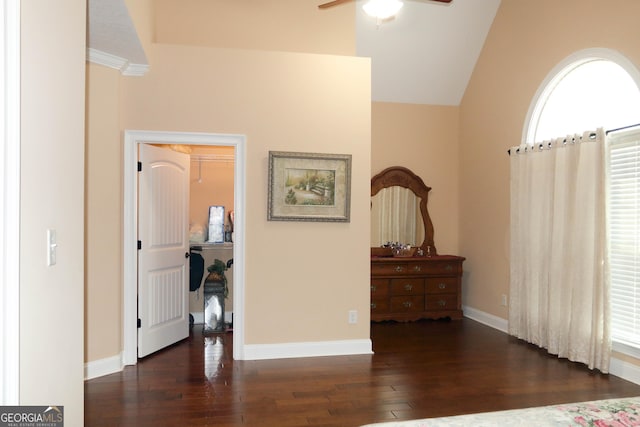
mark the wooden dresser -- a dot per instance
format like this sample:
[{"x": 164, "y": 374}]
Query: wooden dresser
[{"x": 413, "y": 288}]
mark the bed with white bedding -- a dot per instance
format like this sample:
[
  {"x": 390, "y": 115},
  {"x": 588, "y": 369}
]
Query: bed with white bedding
[{"x": 621, "y": 412}]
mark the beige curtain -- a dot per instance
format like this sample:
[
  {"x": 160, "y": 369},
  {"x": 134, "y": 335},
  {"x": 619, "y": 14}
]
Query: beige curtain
[
  {"x": 559, "y": 287},
  {"x": 396, "y": 217}
]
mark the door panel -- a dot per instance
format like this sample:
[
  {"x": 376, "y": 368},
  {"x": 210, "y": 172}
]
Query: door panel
[{"x": 163, "y": 274}]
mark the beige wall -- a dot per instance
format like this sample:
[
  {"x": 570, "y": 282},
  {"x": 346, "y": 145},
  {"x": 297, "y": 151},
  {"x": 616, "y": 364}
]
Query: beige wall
[
  {"x": 526, "y": 41},
  {"x": 303, "y": 275},
  {"x": 280, "y": 101},
  {"x": 103, "y": 214},
  {"x": 289, "y": 25},
  {"x": 459, "y": 151},
  {"x": 211, "y": 183},
  {"x": 203, "y": 110},
  {"x": 423, "y": 138},
  {"x": 52, "y": 197},
  {"x": 142, "y": 13}
]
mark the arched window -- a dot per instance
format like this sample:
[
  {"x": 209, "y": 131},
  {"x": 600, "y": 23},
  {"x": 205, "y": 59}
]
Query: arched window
[
  {"x": 601, "y": 82},
  {"x": 600, "y": 88}
]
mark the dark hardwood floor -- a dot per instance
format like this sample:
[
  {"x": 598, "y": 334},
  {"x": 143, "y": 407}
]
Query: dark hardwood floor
[{"x": 419, "y": 370}]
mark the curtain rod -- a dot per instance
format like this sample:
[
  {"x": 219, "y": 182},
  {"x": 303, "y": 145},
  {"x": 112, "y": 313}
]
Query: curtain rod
[
  {"x": 541, "y": 145},
  {"x": 606, "y": 133},
  {"x": 622, "y": 128}
]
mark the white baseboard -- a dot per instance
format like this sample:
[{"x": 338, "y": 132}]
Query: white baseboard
[
  {"x": 619, "y": 368},
  {"x": 625, "y": 370},
  {"x": 99, "y": 368},
  {"x": 307, "y": 349},
  {"x": 487, "y": 319},
  {"x": 115, "y": 364}
]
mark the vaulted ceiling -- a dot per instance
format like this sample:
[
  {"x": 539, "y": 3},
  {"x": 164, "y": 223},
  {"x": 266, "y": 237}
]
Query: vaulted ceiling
[{"x": 425, "y": 55}]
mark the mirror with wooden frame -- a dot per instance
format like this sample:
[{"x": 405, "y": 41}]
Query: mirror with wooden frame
[{"x": 399, "y": 211}]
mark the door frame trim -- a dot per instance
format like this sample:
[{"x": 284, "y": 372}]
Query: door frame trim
[
  {"x": 10, "y": 203},
  {"x": 130, "y": 224}
]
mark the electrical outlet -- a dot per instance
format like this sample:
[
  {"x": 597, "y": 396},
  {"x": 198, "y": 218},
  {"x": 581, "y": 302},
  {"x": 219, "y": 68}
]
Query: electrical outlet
[
  {"x": 504, "y": 300},
  {"x": 353, "y": 316}
]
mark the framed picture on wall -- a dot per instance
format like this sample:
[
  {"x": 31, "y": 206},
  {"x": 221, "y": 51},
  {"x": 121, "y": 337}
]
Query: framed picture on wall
[{"x": 309, "y": 187}]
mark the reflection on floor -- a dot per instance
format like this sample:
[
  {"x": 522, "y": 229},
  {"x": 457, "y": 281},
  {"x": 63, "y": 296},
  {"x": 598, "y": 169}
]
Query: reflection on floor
[{"x": 213, "y": 356}]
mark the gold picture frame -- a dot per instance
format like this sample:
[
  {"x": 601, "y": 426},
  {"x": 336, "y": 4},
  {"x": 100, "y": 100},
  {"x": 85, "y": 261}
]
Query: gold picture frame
[{"x": 309, "y": 187}]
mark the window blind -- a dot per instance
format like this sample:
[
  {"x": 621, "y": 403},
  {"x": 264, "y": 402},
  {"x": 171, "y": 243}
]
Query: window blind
[{"x": 624, "y": 235}]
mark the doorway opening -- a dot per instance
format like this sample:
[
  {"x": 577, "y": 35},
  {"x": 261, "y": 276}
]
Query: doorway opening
[{"x": 132, "y": 139}]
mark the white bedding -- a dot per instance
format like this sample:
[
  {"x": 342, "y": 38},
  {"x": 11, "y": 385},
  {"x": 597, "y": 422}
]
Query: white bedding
[{"x": 621, "y": 412}]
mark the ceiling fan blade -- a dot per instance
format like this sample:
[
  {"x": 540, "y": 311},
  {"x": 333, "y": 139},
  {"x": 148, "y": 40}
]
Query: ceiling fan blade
[{"x": 333, "y": 3}]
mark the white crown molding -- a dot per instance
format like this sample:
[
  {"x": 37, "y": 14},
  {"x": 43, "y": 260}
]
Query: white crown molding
[
  {"x": 136, "y": 70},
  {"x": 113, "y": 61}
]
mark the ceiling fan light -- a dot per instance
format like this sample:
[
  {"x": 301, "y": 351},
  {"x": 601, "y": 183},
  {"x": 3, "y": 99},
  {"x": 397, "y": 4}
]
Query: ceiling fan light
[{"x": 382, "y": 9}]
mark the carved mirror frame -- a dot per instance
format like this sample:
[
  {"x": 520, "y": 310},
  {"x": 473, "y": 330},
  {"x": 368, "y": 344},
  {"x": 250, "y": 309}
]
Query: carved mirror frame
[{"x": 404, "y": 177}]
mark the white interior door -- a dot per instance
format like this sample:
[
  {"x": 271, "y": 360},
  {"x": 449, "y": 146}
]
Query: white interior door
[{"x": 163, "y": 273}]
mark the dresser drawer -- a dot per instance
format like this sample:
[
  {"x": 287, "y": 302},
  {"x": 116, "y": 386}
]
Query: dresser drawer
[
  {"x": 441, "y": 302},
  {"x": 400, "y": 268},
  {"x": 407, "y": 286},
  {"x": 445, "y": 285},
  {"x": 411, "y": 288},
  {"x": 379, "y": 287},
  {"x": 379, "y": 305},
  {"x": 448, "y": 267},
  {"x": 407, "y": 304},
  {"x": 389, "y": 268},
  {"x": 426, "y": 266},
  {"x": 406, "y": 268}
]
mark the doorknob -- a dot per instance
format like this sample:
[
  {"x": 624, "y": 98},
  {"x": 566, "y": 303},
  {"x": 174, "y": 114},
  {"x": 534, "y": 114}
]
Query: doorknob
[{"x": 187, "y": 255}]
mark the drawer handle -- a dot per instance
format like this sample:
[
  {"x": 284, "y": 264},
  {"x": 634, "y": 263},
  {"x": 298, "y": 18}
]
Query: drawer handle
[
  {"x": 442, "y": 303},
  {"x": 399, "y": 268},
  {"x": 373, "y": 305},
  {"x": 417, "y": 268},
  {"x": 442, "y": 286},
  {"x": 373, "y": 288},
  {"x": 407, "y": 304},
  {"x": 448, "y": 267},
  {"x": 408, "y": 287}
]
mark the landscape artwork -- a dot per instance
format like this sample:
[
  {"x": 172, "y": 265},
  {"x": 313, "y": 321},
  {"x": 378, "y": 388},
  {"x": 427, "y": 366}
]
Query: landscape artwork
[{"x": 309, "y": 187}]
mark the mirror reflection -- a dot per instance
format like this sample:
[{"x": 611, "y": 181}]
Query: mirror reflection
[
  {"x": 399, "y": 211},
  {"x": 396, "y": 217}
]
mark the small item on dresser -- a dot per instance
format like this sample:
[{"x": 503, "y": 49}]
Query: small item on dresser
[
  {"x": 404, "y": 251},
  {"x": 401, "y": 249}
]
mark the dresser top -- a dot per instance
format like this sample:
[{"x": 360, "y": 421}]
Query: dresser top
[{"x": 434, "y": 258}]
